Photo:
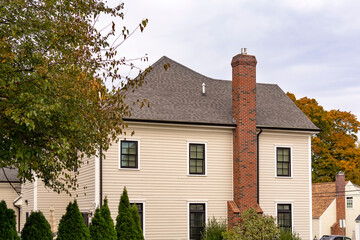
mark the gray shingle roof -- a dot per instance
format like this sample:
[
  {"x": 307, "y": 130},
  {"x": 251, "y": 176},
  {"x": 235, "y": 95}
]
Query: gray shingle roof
[
  {"x": 11, "y": 174},
  {"x": 175, "y": 96}
]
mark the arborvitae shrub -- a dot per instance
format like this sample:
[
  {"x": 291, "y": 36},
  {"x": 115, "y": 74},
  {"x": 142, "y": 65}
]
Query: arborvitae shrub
[
  {"x": 98, "y": 227},
  {"x": 72, "y": 225},
  {"x": 125, "y": 225},
  {"x": 7, "y": 223},
  {"x": 105, "y": 213},
  {"x": 136, "y": 217},
  {"x": 36, "y": 227}
]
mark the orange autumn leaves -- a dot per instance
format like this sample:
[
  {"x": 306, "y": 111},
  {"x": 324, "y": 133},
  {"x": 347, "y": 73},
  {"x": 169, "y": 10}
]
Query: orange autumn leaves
[{"x": 336, "y": 147}]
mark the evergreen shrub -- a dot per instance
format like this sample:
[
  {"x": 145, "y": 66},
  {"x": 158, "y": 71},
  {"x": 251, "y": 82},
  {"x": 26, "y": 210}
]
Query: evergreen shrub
[
  {"x": 36, "y": 227},
  {"x": 7, "y": 223},
  {"x": 72, "y": 225}
]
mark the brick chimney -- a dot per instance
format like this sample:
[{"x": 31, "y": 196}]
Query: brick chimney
[
  {"x": 244, "y": 140},
  {"x": 340, "y": 203}
]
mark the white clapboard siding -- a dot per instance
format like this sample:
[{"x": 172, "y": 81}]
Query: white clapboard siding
[
  {"x": 162, "y": 182},
  {"x": 294, "y": 190}
]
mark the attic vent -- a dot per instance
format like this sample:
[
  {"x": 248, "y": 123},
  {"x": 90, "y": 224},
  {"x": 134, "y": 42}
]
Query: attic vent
[{"x": 203, "y": 89}]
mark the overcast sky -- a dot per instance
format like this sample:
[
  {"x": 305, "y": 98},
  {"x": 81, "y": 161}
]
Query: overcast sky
[{"x": 309, "y": 47}]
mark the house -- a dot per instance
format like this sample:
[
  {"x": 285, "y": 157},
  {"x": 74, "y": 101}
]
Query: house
[
  {"x": 333, "y": 201},
  {"x": 10, "y": 189},
  {"x": 204, "y": 148}
]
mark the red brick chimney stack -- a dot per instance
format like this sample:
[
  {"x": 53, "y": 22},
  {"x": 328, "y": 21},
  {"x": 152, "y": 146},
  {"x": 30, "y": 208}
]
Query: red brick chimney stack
[
  {"x": 340, "y": 203},
  {"x": 244, "y": 140}
]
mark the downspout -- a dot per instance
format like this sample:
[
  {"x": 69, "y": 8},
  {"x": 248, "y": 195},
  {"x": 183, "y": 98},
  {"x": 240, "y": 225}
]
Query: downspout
[
  {"x": 258, "y": 185},
  {"x": 18, "y": 216},
  {"x": 101, "y": 174}
]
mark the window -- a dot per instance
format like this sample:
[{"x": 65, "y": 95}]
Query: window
[
  {"x": 85, "y": 216},
  {"x": 140, "y": 208},
  {"x": 284, "y": 216},
  {"x": 197, "y": 159},
  {"x": 197, "y": 220},
  {"x": 349, "y": 202},
  {"x": 283, "y": 162},
  {"x": 129, "y": 154}
]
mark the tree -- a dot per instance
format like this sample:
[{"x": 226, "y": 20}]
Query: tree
[
  {"x": 254, "y": 226},
  {"x": 72, "y": 225},
  {"x": 54, "y": 105},
  {"x": 335, "y": 148},
  {"x": 105, "y": 213},
  {"x": 136, "y": 217},
  {"x": 125, "y": 224},
  {"x": 7, "y": 223},
  {"x": 36, "y": 227}
]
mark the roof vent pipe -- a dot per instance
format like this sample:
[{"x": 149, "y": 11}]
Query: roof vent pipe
[
  {"x": 203, "y": 89},
  {"x": 244, "y": 51}
]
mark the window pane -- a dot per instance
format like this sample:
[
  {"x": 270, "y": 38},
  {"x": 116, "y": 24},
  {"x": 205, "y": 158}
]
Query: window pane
[
  {"x": 192, "y": 169},
  {"x": 200, "y": 155},
  {"x": 132, "y": 151},
  {"x": 193, "y": 148},
  {"x": 192, "y": 154},
  {"x": 197, "y": 220},
  {"x": 124, "y": 150},
  {"x": 124, "y": 163}
]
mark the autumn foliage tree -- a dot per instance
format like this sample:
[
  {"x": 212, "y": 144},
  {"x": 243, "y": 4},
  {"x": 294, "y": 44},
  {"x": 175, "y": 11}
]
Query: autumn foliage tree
[
  {"x": 336, "y": 147},
  {"x": 54, "y": 105}
]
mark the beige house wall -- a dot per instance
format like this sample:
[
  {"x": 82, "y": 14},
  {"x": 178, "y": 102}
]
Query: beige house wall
[
  {"x": 328, "y": 218},
  {"x": 316, "y": 228},
  {"x": 352, "y": 213},
  {"x": 27, "y": 192},
  {"x": 48, "y": 198},
  {"x": 295, "y": 190},
  {"x": 85, "y": 193},
  {"x": 8, "y": 194},
  {"x": 163, "y": 184}
]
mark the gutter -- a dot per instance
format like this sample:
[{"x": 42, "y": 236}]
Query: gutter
[{"x": 257, "y": 167}]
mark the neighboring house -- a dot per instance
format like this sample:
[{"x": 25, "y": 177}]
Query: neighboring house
[
  {"x": 10, "y": 189},
  {"x": 205, "y": 148},
  {"x": 333, "y": 201}
]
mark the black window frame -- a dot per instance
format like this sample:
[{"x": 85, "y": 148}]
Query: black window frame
[
  {"x": 140, "y": 211},
  {"x": 128, "y": 154},
  {"x": 202, "y": 227},
  {"x": 282, "y": 212},
  {"x": 196, "y": 159},
  {"x": 283, "y": 163}
]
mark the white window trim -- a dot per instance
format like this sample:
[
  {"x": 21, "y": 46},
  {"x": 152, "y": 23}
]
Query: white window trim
[
  {"x": 292, "y": 212},
  {"x": 144, "y": 215},
  {"x": 188, "y": 158},
  {"x": 352, "y": 198},
  {"x": 188, "y": 213},
  {"x": 138, "y": 153},
  {"x": 291, "y": 161}
]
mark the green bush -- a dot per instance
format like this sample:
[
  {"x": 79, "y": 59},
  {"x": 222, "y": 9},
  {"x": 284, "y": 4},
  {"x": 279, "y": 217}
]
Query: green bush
[
  {"x": 72, "y": 225},
  {"x": 98, "y": 227},
  {"x": 7, "y": 223},
  {"x": 254, "y": 226},
  {"x": 125, "y": 224},
  {"x": 105, "y": 213},
  {"x": 36, "y": 227},
  {"x": 288, "y": 235},
  {"x": 136, "y": 217},
  {"x": 214, "y": 229}
]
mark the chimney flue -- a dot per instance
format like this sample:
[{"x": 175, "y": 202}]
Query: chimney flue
[{"x": 244, "y": 51}]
